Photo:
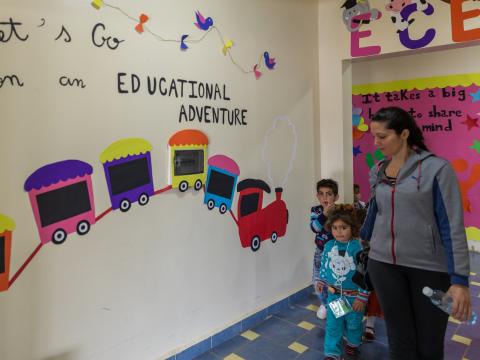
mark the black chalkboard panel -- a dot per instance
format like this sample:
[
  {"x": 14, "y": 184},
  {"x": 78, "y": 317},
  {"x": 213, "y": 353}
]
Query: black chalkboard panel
[
  {"x": 128, "y": 175},
  {"x": 187, "y": 162},
  {"x": 249, "y": 204},
  {"x": 2, "y": 254},
  {"x": 63, "y": 203},
  {"x": 220, "y": 184}
]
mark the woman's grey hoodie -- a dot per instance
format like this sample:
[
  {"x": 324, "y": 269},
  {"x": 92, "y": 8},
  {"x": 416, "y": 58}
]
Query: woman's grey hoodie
[{"x": 418, "y": 222}]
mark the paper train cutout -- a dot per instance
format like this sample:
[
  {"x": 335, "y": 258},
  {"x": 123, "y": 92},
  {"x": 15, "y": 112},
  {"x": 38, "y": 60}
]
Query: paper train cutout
[
  {"x": 6, "y": 228},
  {"x": 62, "y": 201}
]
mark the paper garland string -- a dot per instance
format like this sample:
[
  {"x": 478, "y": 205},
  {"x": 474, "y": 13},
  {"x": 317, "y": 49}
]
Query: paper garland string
[{"x": 204, "y": 24}]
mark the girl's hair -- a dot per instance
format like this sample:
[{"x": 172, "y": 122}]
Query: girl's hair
[
  {"x": 347, "y": 214},
  {"x": 397, "y": 119}
]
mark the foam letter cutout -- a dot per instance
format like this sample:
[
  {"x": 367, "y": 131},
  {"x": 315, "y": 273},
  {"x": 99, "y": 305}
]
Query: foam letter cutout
[{"x": 459, "y": 33}]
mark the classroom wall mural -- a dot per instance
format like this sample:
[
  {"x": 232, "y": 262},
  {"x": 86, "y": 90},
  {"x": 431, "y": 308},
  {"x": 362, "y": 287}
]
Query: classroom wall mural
[
  {"x": 447, "y": 110},
  {"x": 62, "y": 199},
  {"x": 411, "y": 23},
  {"x": 61, "y": 193}
]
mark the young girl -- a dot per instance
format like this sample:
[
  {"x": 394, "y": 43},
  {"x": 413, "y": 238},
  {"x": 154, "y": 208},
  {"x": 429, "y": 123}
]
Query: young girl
[{"x": 346, "y": 301}]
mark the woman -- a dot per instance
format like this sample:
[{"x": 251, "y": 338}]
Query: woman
[{"x": 417, "y": 238}]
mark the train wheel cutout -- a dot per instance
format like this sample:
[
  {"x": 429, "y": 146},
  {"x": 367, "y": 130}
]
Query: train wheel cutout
[
  {"x": 59, "y": 236},
  {"x": 125, "y": 205},
  {"x": 198, "y": 185},
  {"x": 223, "y": 209},
  {"x": 255, "y": 245},
  {"x": 274, "y": 237},
  {"x": 83, "y": 227},
  {"x": 183, "y": 186},
  {"x": 210, "y": 204},
  {"x": 143, "y": 199}
]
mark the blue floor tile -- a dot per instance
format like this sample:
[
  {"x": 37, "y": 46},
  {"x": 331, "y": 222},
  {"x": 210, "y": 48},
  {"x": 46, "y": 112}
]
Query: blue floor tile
[
  {"x": 296, "y": 314},
  {"x": 314, "y": 339},
  {"x": 263, "y": 348},
  {"x": 279, "y": 331},
  {"x": 311, "y": 355},
  {"x": 208, "y": 356},
  {"x": 230, "y": 346},
  {"x": 373, "y": 351}
]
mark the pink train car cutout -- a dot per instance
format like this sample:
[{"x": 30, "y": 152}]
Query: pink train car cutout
[{"x": 61, "y": 197}]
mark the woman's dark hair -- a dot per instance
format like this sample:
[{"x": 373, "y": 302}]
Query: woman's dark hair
[
  {"x": 347, "y": 214},
  {"x": 397, "y": 119}
]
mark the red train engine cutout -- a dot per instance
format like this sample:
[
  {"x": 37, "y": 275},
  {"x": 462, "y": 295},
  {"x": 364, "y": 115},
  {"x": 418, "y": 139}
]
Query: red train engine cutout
[{"x": 256, "y": 224}]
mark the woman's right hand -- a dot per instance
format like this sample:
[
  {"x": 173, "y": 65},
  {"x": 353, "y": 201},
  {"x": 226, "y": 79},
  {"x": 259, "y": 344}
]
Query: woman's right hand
[{"x": 461, "y": 308}]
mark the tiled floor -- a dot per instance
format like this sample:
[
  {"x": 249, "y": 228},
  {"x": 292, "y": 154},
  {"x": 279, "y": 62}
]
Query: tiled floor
[{"x": 297, "y": 334}]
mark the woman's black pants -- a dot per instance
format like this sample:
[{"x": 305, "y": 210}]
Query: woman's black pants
[{"x": 415, "y": 327}]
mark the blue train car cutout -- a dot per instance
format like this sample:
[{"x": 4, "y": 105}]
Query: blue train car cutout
[
  {"x": 221, "y": 181},
  {"x": 128, "y": 171}
]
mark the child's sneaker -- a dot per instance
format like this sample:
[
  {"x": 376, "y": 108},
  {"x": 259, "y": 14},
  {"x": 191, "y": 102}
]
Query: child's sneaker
[
  {"x": 351, "y": 352},
  {"x": 322, "y": 312},
  {"x": 369, "y": 334}
]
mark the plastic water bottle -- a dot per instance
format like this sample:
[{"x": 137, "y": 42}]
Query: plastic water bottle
[{"x": 444, "y": 302}]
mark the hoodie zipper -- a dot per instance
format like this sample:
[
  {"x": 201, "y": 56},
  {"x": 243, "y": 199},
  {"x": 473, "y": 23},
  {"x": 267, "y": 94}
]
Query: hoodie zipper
[{"x": 394, "y": 257}]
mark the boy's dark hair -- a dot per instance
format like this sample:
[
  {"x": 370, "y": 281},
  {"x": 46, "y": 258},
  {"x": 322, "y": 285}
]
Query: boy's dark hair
[
  {"x": 346, "y": 213},
  {"x": 328, "y": 183}
]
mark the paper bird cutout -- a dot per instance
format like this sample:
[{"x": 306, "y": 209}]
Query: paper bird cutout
[
  {"x": 471, "y": 123},
  {"x": 256, "y": 72},
  {"x": 97, "y": 4},
  {"x": 202, "y": 23},
  {"x": 143, "y": 19},
  {"x": 227, "y": 46},
  {"x": 475, "y": 146},
  {"x": 183, "y": 46},
  {"x": 475, "y": 96},
  {"x": 270, "y": 62}
]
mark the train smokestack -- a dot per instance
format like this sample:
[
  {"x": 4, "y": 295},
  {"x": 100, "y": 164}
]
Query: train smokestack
[{"x": 278, "y": 193}]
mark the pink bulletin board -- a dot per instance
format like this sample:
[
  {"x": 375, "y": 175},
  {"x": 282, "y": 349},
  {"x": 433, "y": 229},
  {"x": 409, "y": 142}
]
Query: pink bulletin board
[{"x": 447, "y": 109}]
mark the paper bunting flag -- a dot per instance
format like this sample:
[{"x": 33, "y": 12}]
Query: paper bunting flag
[
  {"x": 97, "y": 4},
  {"x": 256, "y": 72},
  {"x": 143, "y": 19},
  {"x": 183, "y": 46},
  {"x": 227, "y": 46}
]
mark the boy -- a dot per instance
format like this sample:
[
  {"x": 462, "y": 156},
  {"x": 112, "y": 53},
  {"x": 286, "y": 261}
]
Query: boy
[
  {"x": 327, "y": 194},
  {"x": 357, "y": 196}
]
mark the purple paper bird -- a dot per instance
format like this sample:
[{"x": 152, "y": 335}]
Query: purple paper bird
[
  {"x": 202, "y": 23},
  {"x": 270, "y": 62}
]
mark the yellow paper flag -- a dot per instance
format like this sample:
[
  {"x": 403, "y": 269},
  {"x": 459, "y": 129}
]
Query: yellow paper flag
[
  {"x": 97, "y": 4},
  {"x": 227, "y": 46}
]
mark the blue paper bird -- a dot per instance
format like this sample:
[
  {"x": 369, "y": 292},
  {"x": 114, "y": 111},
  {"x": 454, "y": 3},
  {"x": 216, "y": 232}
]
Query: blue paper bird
[
  {"x": 202, "y": 23},
  {"x": 270, "y": 62},
  {"x": 183, "y": 46}
]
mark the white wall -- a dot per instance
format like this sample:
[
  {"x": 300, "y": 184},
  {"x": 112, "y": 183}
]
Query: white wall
[
  {"x": 438, "y": 62},
  {"x": 159, "y": 278}
]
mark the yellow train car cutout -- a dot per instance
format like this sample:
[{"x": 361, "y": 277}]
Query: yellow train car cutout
[
  {"x": 187, "y": 159},
  {"x": 7, "y": 225}
]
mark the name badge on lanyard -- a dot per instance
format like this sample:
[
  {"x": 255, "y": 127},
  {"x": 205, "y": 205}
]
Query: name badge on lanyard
[{"x": 340, "y": 307}]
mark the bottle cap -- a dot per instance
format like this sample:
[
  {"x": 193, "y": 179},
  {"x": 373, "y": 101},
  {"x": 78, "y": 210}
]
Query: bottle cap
[{"x": 427, "y": 291}]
